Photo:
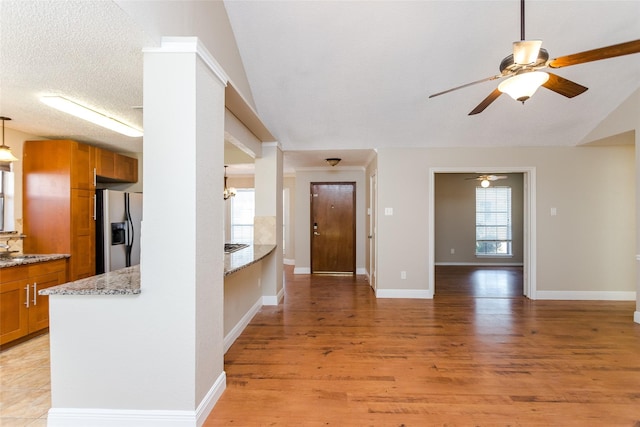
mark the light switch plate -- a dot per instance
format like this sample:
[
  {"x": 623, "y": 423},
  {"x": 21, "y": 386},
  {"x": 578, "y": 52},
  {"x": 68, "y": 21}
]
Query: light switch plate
[{"x": 388, "y": 211}]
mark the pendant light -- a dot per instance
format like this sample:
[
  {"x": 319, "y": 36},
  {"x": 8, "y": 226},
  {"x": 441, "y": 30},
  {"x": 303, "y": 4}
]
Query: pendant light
[
  {"x": 228, "y": 191},
  {"x": 5, "y": 152}
]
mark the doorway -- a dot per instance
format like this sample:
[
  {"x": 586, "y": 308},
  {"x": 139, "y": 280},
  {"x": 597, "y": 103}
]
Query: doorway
[
  {"x": 333, "y": 227},
  {"x": 528, "y": 227}
]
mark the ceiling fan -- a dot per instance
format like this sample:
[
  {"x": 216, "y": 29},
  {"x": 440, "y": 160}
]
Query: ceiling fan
[
  {"x": 523, "y": 67},
  {"x": 485, "y": 180}
]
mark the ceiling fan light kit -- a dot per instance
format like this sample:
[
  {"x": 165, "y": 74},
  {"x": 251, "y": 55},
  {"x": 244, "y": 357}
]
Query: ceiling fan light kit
[
  {"x": 485, "y": 180},
  {"x": 523, "y": 67},
  {"x": 522, "y": 86}
]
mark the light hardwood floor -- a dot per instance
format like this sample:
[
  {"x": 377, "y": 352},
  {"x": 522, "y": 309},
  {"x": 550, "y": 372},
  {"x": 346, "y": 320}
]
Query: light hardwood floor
[
  {"x": 25, "y": 384},
  {"x": 334, "y": 355}
]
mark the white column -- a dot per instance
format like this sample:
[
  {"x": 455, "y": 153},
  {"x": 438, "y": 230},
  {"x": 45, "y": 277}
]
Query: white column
[
  {"x": 156, "y": 359},
  {"x": 183, "y": 258},
  {"x": 268, "y": 220}
]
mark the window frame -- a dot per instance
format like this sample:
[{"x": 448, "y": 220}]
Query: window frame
[
  {"x": 500, "y": 227},
  {"x": 232, "y": 217}
]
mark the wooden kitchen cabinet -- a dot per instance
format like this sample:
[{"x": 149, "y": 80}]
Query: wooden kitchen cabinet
[
  {"x": 105, "y": 163},
  {"x": 14, "y": 316},
  {"x": 115, "y": 167},
  {"x": 58, "y": 202},
  {"x": 22, "y": 310},
  {"x": 59, "y": 181},
  {"x": 126, "y": 168}
]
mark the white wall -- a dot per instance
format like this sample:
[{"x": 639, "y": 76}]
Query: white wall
[
  {"x": 207, "y": 20},
  {"x": 455, "y": 219},
  {"x": 588, "y": 246},
  {"x": 242, "y": 293},
  {"x": 304, "y": 178}
]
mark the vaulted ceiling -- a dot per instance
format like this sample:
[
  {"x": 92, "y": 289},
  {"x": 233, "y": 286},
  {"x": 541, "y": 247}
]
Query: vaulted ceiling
[{"x": 329, "y": 76}]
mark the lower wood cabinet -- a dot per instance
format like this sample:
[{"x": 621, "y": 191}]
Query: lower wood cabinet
[{"x": 22, "y": 310}]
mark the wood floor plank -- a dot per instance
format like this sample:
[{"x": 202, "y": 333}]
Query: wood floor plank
[{"x": 333, "y": 354}]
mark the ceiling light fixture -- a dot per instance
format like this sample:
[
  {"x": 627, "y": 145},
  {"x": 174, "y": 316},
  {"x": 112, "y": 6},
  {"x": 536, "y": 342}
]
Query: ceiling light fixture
[
  {"x": 333, "y": 160},
  {"x": 485, "y": 183},
  {"x": 86, "y": 113},
  {"x": 5, "y": 152},
  {"x": 228, "y": 191},
  {"x": 523, "y": 85}
]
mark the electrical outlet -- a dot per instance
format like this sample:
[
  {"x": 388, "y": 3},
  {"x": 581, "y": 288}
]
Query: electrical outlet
[
  {"x": 403, "y": 274},
  {"x": 453, "y": 251}
]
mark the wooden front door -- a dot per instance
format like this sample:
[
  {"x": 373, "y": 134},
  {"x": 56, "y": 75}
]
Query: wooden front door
[{"x": 333, "y": 227}]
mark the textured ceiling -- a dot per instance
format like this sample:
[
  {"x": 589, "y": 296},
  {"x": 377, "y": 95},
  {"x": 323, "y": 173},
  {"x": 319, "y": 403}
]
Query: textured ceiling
[
  {"x": 328, "y": 76},
  {"x": 87, "y": 51}
]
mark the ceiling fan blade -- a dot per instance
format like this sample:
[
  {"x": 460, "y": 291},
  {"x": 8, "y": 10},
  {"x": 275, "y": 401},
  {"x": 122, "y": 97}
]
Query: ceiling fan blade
[
  {"x": 526, "y": 51},
  {"x": 467, "y": 85},
  {"x": 486, "y": 102},
  {"x": 612, "y": 51},
  {"x": 564, "y": 86}
]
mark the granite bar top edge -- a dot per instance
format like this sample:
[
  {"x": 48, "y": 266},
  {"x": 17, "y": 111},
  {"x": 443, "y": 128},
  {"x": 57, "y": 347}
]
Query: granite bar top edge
[
  {"x": 125, "y": 281},
  {"x": 243, "y": 258}
]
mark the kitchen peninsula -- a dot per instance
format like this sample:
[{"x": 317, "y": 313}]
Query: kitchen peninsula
[
  {"x": 126, "y": 281},
  {"x": 242, "y": 290}
]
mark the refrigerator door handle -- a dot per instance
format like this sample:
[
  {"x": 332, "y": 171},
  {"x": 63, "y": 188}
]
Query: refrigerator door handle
[{"x": 130, "y": 236}]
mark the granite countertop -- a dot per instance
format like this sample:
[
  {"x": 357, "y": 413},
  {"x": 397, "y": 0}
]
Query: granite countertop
[
  {"x": 245, "y": 257},
  {"x": 125, "y": 281},
  {"x": 23, "y": 259}
]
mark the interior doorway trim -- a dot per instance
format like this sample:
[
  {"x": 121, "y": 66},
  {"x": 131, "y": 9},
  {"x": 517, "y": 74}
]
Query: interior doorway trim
[{"x": 529, "y": 218}]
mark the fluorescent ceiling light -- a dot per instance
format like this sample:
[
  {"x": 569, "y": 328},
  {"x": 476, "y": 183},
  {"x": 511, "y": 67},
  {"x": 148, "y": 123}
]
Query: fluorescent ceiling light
[{"x": 85, "y": 113}]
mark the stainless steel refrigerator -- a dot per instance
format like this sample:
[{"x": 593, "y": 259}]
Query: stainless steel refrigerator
[{"x": 118, "y": 220}]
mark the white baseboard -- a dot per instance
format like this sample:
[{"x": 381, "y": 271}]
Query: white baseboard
[
  {"x": 287, "y": 261},
  {"x": 636, "y": 317},
  {"x": 83, "y": 417},
  {"x": 404, "y": 293},
  {"x": 234, "y": 333},
  {"x": 273, "y": 299},
  {"x": 481, "y": 264},
  {"x": 586, "y": 295},
  {"x": 211, "y": 398},
  {"x": 307, "y": 270}
]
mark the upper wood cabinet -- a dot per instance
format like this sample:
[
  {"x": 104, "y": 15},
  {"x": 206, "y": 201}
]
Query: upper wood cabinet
[
  {"x": 82, "y": 165},
  {"x": 126, "y": 168},
  {"x": 114, "y": 167},
  {"x": 105, "y": 162}
]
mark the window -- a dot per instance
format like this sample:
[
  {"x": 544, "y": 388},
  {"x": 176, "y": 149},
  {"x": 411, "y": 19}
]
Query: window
[
  {"x": 242, "y": 215},
  {"x": 493, "y": 221},
  {"x": 6, "y": 197}
]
